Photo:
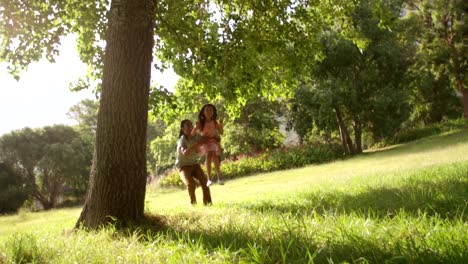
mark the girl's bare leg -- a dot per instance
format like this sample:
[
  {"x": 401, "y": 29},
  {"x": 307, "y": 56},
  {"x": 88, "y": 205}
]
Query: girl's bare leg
[
  {"x": 208, "y": 167},
  {"x": 217, "y": 168}
]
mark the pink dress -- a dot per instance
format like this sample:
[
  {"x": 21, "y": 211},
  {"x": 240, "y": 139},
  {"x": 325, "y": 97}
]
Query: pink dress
[{"x": 213, "y": 144}]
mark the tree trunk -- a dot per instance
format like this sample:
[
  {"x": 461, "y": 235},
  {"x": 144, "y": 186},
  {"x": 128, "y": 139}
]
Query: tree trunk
[
  {"x": 357, "y": 134},
  {"x": 346, "y": 139},
  {"x": 118, "y": 176},
  {"x": 463, "y": 90},
  {"x": 459, "y": 70},
  {"x": 465, "y": 102},
  {"x": 43, "y": 200},
  {"x": 343, "y": 140}
]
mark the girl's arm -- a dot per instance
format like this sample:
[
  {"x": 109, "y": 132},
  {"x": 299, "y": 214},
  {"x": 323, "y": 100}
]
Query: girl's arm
[
  {"x": 187, "y": 151},
  {"x": 220, "y": 126},
  {"x": 195, "y": 129}
]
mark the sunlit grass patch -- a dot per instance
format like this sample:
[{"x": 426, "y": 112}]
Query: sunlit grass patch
[{"x": 440, "y": 190}]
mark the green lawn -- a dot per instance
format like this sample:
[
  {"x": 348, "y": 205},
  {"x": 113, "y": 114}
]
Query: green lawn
[{"x": 403, "y": 204}]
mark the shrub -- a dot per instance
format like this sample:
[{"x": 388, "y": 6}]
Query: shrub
[
  {"x": 171, "y": 179},
  {"x": 12, "y": 192},
  {"x": 278, "y": 159},
  {"x": 416, "y": 133},
  {"x": 11, "y": 199},
  {"x": 238, "y": 139}
]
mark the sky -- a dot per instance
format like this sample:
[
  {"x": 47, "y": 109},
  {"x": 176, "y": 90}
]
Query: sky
[{"x": 41, "y": 97}]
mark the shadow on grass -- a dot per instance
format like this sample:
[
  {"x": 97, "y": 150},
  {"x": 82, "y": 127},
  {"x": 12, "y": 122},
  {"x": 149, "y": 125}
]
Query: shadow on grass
[
  {"x": 291, "y": 246},
  {"x": 246, "y": 246},
  {"x": 441, "y": 191}
]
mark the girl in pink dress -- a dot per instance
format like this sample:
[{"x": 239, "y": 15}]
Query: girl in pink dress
[{"x": 209, "y": 128}]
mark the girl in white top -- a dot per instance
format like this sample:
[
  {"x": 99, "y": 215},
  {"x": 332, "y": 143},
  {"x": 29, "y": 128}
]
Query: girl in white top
[
  {"x": 210, "y": 130},
  {"x": 187, "y": 160}
]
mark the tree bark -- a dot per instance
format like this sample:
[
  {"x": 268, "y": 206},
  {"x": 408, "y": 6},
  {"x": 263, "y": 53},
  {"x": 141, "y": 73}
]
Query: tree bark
[
  {"x": 346, "y": 139},
  {"x": 118, "y": 176},
  {"x": 464, "y": 93},
  {"x": 357, "y": 134},
  {"x": 465, "y": 102},
  {"x": 343, "y": 140},
  {"x": 459, "y": 70}
]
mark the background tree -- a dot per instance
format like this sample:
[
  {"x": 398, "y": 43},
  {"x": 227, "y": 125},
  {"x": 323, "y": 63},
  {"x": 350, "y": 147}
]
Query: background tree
[
  {"x": 163, "y": 148},
  {"x": 47, "y": 160},
  {"x": 313, "y": 108},
  {"x": 440, "y": 61},
  {"x": 156, "y": 129},
  {"x": 85, "y": 113},
  {"x": 432, "y": 97},
  {"x": 256, "y": 128},
  {"x": 442, "y": 42},
  {"x": 358, "y": 90}
]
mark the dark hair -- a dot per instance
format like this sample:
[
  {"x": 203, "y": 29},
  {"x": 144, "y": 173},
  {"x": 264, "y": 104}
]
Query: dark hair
[
  {"x": 182, "y": 124},
  {"x": 201, "y": 115}
]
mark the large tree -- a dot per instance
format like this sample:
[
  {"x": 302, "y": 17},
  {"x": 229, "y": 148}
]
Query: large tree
[
  {"x": 85, "y": 113},
  {"x": 187, "y": 32},
  {"x": 32, "y": 29},
  {"x": 118, "y": 177}
]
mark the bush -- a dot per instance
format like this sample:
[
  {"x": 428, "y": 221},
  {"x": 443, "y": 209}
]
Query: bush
[
  {"x": 415, "y": 133},
  {"x": 171, "y": 179},
  {"x": 238, "y": 139},
  {"x": 11, "y": 199},
  {"x": 278, "y": 159},
  {"x": 12, "y": 192}
]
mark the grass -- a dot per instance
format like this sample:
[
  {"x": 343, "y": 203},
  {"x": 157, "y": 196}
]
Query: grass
[{"x": 402, "y": 204}]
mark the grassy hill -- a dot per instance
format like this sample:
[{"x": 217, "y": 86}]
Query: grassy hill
[{"x": 405, "y": 203}]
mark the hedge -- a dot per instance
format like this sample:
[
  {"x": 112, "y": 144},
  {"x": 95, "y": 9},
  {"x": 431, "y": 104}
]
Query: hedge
[{"x": 278, "y": 159}]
